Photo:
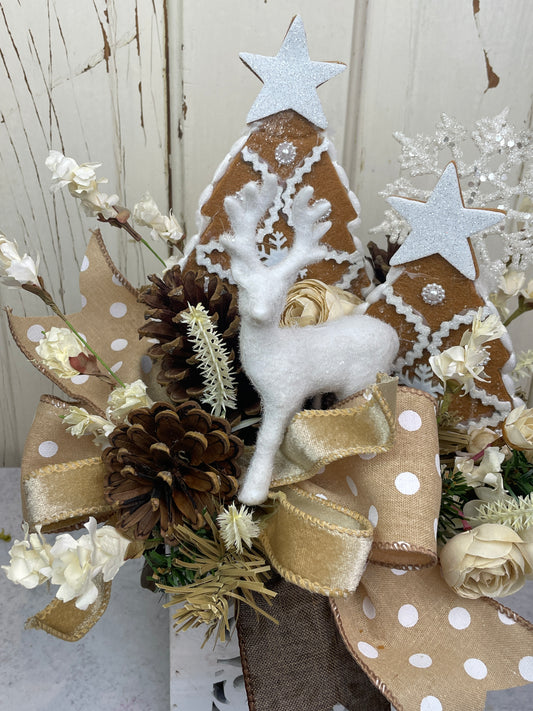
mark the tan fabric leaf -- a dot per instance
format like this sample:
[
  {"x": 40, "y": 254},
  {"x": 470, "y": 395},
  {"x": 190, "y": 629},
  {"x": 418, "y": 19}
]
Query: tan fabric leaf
[{"x": 109, "y": 322}]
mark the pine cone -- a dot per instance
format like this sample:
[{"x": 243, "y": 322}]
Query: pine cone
[
  {"x": 167, "y": 298},
  {"x": 380, "y": 258},
  {"x": 165, "y": 467}
]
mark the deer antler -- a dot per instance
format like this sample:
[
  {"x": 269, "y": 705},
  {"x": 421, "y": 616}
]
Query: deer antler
[
  {"x": 308, "y": 231},
  {"x": 245, "y": 210}
]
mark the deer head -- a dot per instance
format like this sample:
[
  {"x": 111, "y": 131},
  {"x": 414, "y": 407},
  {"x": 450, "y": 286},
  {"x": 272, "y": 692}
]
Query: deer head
[{"x": 262, "y": 289}]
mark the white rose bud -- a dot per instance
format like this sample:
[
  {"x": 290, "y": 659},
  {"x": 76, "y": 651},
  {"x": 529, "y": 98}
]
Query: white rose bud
[
  {"x": 14, "y": 269},
  {"x": 124, "y": 399},
  {"x": 485, "y": 330},
  {"x": 490, "y": 560},
  {"x": 57, "y": 347}
]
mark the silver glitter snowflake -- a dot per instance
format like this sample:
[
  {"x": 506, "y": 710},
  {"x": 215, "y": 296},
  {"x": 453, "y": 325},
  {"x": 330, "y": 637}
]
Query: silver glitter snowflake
[{"x": 498, "y": 176}]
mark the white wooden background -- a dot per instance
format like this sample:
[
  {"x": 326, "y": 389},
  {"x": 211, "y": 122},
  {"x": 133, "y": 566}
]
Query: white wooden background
[{"x": 155, "y": 91}]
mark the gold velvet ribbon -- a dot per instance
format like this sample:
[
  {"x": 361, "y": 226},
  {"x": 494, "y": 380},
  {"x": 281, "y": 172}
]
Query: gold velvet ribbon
[
  {"x": 425, "y": 648},
  {"x": 304, "y": 520}
]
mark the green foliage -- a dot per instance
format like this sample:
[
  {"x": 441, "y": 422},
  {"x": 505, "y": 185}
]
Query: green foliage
[
  {"x": 4, "y": 536},
  {"x": 455, "y": 493},
  {"x": 165, "y": 562},
  {"x": 517, "y": 475}
]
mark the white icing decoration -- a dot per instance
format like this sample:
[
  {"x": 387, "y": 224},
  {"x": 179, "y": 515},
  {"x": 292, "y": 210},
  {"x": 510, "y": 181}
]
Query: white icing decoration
[
  {"x": 261, "y": 167},
  {"x": 452, "y": 325},
  {"x": 413, "y": 317},
  {"x": 297, "y": 176}
]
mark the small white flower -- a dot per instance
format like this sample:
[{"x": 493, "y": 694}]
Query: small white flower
[
  {"x": 486, "y": 473},
  {"x": 14, "y": 269},
  {"x": 65, "y": 171},
  {"x": 462, "y": 364},
  {"x": 97, "y": 203},
  {"x": 73, "y": 571},
  {"x": 30, "y": 560},
  {"x": 55, "y": 349},
  {"x": 484, "y": 330},
  {"x": 511, "y": 281},
  {"x": 109, "y": 549},
  {"x": 75, "y": 563},
  {"x": 83, "y": 423},
  {"x": 124, "y": 399},
  {"x": 165, "y": 227},
  {"x": 237, "y": 526}
]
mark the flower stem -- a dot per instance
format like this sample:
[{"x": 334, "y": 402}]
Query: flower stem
[
  {"x": 44, "y": 295},
  {"x": 523, "y": 306},
  {"x": 123, "y": 224},
  {"x": 516, "y": 313}
]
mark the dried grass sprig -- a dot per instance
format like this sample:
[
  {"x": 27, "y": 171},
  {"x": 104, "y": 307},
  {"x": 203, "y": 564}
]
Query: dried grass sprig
[
  {"x": 213, "y": 360},
  {"x": 516, "y": 513},
  {"x": 221, "y": 576}
]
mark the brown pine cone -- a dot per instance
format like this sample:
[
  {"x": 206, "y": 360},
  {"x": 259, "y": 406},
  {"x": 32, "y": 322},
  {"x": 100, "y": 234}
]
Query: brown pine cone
[
  {"x": 168, "y": 298},
  {"x": 380, "y": 259},
  {"x": 167, "y": 465}
]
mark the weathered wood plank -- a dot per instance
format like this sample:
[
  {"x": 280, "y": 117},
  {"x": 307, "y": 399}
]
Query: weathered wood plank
[{"x": 86, "y": 78}]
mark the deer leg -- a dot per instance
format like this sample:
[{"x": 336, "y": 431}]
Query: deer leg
[{"x": 254, "y": 489}]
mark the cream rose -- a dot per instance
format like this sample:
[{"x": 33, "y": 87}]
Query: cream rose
[
  {"x": 310, "y": 302},
  {"x": 56, "y": 348},
  {"x": 517, "y": 429},
  {"x": 490, "y": 560}
]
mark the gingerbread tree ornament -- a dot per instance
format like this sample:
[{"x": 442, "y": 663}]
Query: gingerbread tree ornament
[
  {"x": 431, "y": 296},
  {"x": 286, "y": 140}
]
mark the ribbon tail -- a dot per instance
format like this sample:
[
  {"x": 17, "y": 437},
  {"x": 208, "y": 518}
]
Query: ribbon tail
[
  {"x": 66, "y": 621},
  {"x": 424, "y": 647},
  {"x": 302, "y": 662}
]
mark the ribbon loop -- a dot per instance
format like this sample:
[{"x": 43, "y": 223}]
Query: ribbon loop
[{"x": 340, "y": 544}]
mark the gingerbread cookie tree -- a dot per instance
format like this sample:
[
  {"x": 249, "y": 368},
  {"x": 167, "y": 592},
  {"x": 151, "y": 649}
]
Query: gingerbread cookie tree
[
  {"x": 431, "y": 296},
  {"x": 287, "y": 140}
]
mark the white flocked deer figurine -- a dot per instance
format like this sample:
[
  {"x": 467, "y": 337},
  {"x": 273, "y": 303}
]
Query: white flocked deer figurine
[{"x": 288, "y": 365}]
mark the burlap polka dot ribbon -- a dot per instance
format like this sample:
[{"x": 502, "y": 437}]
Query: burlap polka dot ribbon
[{"x": 425, "y": 648}]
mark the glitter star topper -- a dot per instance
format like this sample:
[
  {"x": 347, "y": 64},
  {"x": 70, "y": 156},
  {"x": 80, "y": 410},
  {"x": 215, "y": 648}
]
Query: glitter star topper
[
  {"x": 290, "y": 78},
  {"x": 442, "y": 225}
]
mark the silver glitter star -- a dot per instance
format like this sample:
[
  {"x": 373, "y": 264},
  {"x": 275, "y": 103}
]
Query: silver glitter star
[
  {"x": 442, "y": 225},
  {"x": 290, "y": 78}
]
